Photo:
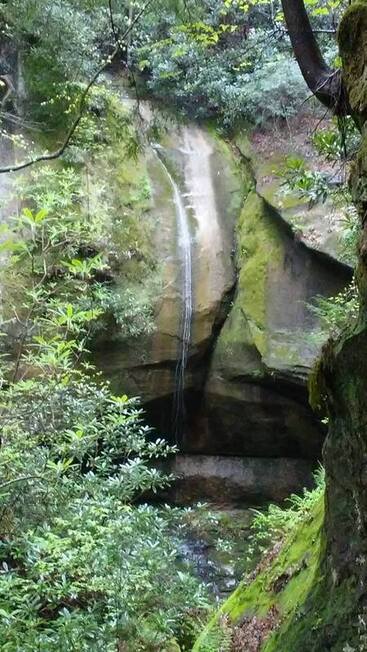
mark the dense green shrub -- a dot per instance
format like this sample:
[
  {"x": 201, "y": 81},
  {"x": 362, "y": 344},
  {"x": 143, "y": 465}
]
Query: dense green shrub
[
  {"x": 58, "y": 44},
  {"x": 88, "y": 197},
  {"x": 252, "y": 80},
  {"x": 83, "y": 560}
]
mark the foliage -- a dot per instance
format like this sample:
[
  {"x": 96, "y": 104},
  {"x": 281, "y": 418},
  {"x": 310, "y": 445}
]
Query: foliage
[
  {"x": 232, "y": 80},
  {"x": 337, "y": 312},
  {"x": 225, "y": 59},
  {"x": 94, "y": 223},
  {"x": 105, "y": 122},
  {"x": 277, "y": 522},
  {"x": 59, "y": 43},
  {"x": 333, "y": 313},
  {"x": 338, "y": 142},
  {"x": 206, "y": 59},
  {"x": 231, "y": 60},
  {"x": 349, "y": 236},
  {"x": 337, "y": 145},
  {"x": 316, "y": 8},
  {"x": 82, "y": 564},
  {"x": 83, "y": 559},
  {"x": 219, "y": 638},
  {"x": 310, "y": 184}
]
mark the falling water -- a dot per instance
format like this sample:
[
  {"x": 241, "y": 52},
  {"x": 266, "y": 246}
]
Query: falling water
[{"x": 184, "y": 248}]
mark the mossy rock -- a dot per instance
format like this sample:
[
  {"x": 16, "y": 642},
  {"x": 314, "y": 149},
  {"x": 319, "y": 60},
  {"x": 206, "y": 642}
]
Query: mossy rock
[
  {"x": 256, "y": 394},
  {"x": 211, "y": 185},
  {"x": 352, "y": 38}
]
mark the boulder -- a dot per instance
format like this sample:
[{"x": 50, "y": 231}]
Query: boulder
[
  {"x": 255, "y": 399},
  {"x": 253, "y": 339},
  {"x": 234, "y": 480}
]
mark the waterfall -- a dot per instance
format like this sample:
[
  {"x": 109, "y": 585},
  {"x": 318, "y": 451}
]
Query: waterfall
[{"x": 184, "y": 250}]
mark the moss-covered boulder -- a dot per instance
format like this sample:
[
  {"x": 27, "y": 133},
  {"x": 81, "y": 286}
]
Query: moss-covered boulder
[
  {"x": 256, "y": 397},
  {"x": 259, "y": 611},
  {"x": 353, "y": 46},
  {"x": 248, "y": 363},
  {"x": 245, "y": 380}
]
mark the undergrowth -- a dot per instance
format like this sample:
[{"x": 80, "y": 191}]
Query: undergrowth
[
  {"x": 277, "y": 522},
  {"x": 287, "y": 538},
  {"x": 334, "y": 313}
]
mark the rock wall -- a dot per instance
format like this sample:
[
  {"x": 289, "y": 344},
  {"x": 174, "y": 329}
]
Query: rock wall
[
  {"x": 235, "y": 480},
  {"x": 211, "y": 187},
  {"x": 255, "y": 396},
  {"x": 252, "y": 343}
]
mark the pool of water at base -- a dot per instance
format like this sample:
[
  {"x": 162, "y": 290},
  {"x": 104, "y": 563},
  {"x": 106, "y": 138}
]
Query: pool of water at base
[{"x": 216, "y": 544}]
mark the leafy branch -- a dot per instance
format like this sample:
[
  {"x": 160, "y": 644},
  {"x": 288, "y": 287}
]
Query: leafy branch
[{"x": 82, "y": 104}]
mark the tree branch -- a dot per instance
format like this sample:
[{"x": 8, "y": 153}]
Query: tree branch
[
  {"x": 130, "y": 70},
  {"x": 24, "y": 478},
  {"x": 82, "y": 102},
  {"x": 113, "y": 26},
  {"x": 324, "y": 82}
]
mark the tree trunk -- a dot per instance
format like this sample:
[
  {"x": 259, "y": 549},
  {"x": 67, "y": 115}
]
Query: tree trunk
[{"x": 324, "y": 82}]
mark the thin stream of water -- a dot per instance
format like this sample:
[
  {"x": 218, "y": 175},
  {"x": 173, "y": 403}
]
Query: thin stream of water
[{"x": 184, "y": 249}]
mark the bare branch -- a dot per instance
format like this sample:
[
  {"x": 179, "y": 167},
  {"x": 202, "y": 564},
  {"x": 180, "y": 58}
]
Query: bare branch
[
  {"x": 130, "y": 70},
  {"x": 113, "y": 26}
]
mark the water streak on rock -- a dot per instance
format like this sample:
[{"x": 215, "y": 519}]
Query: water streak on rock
[{"x": 184, "y": 250}]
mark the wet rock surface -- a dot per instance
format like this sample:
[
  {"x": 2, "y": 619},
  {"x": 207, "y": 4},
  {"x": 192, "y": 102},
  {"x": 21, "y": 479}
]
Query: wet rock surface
[
  {"x": 236, "y": 481},
  {"x": 217, "y": 545},
  {"x": 211, "y": 191}
]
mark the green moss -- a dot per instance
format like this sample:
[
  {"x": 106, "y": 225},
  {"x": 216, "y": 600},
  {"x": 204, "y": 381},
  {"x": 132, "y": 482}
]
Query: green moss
[
  {"x": 235, "y": 179},
  {"x": 120, "y": 199},
  {"x": 245, "y": 337},
  {"x": 316, "y": 390},
  {"x": 327, "y": 621},
  {"x": 173, "y": 646},
  {"x": 352, "y": 40},
  {"x": 260, "y": 247},
  {"x": 242, "y": 142}
]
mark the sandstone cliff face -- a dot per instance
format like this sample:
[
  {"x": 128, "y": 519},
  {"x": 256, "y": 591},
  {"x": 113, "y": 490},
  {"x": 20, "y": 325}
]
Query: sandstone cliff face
[
  {"x": 251, "y": 348},
  {"x": 211, "y": 192}
]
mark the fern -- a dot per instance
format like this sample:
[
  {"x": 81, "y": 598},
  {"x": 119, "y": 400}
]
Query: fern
[
  {"x": 218, "y": 638},
  {"x": 334, "y": 313},
  {"x": 276, "y": 522}
]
